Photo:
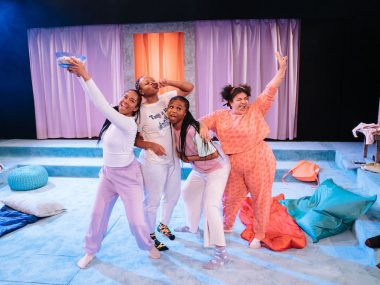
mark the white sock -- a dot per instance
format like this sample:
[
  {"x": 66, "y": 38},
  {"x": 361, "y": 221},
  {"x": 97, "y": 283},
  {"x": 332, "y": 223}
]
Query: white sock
[
  {"x": 220, "y": 258},
  {"x": 85, "y": 260},
  {"x": 255, "y": 243}
]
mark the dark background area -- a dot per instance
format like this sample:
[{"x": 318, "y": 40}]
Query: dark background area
[{"x": 339, "y": 84}]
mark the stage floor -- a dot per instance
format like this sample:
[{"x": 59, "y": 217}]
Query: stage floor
[{"x": 46, "y": 252}]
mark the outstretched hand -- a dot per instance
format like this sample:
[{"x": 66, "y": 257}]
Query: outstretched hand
[
  {"x": 282, "y": 60},
  {"x": 77, "y": 67}
]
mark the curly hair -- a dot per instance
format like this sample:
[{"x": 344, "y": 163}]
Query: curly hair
[{"x": 229, "y": 92}]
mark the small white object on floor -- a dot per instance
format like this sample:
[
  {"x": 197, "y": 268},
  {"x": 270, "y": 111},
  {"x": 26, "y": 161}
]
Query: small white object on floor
[{"x": 255, "y": 243}]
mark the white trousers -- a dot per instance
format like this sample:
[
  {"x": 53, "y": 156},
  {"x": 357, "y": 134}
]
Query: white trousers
[
  {"x": 205, "y": 191},
  {"x": 161, "y": 181}
]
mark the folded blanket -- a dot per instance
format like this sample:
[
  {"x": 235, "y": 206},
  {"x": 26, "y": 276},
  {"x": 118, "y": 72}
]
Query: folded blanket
[
  {"x": 282, "y": 232},
  {"x": 11, "y": 220}
]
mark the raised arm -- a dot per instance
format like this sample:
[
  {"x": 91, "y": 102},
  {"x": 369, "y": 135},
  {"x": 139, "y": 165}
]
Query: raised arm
[
  {"x": 92, "y": 91},
  {"x": 184, "y": 87},
  {"x": 265, "y": 100},
  {"x": 280, "y": 75}
]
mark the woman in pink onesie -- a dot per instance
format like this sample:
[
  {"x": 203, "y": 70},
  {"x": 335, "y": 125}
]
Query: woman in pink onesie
[
  {"x": 120, "y": 175},
  {"x": 241, "y": 131}
]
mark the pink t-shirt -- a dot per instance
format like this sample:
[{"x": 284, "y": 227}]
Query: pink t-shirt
[
  {"x": 204, "y": 166},
  {"x": 239, "y": 133}
]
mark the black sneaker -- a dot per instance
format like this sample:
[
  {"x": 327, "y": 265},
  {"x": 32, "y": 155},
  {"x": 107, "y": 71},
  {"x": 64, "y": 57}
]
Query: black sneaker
[
  {"x": 163, "y": 229},
  {"x": 373, "y": 242},
  {"x": 159, "y": 245}
]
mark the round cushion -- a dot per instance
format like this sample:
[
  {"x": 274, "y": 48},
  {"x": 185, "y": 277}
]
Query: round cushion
[{"x": 27, "y": 177}]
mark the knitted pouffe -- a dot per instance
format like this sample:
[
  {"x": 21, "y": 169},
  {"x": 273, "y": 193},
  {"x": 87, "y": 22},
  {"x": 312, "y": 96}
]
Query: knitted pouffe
[{"x": 27, "y": 178}]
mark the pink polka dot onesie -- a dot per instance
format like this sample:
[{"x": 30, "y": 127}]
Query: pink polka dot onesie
[{"x": 253, "y": 164}]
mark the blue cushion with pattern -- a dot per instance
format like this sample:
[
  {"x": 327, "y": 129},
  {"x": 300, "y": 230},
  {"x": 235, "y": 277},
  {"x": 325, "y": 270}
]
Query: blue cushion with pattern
[{"x": 27, "y": 178}]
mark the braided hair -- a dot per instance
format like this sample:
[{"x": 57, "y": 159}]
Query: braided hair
[{"x": 188, "y": 121}]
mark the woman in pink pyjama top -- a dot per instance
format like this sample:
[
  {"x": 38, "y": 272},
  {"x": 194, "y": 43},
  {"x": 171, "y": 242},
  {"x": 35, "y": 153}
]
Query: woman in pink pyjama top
[{"x": 241, "y": 131}]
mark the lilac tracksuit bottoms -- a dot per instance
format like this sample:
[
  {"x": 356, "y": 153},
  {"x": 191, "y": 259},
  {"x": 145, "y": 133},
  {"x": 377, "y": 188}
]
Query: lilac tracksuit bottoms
[{"x": 126, "y": 182}]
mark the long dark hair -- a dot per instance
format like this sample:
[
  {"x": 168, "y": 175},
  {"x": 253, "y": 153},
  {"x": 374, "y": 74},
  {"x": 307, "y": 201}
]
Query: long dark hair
[
  {"x": 107, "y": 122},
  {"x": 188, "y": 121}
]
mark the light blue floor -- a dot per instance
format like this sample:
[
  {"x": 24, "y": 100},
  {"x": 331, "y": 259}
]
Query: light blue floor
[{"x": 46, "y": 252}]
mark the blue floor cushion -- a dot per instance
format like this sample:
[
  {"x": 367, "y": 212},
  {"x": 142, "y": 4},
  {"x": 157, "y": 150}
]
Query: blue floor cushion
[
  {"x": 27, "y": 178},
  {"x": 329, "y": 211}
]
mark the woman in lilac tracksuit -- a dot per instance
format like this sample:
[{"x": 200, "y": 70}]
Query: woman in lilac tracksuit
[{"x": 120, "y": 174}]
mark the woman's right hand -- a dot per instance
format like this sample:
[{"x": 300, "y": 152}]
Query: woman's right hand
[
  {"x": 157, "y": 149},
  {"x": 77, "y": 67},
  {"x": 203, "y": 133}
]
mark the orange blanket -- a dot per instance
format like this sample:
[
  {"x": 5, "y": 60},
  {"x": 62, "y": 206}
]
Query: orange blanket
[{"x": 282, "y": 232}]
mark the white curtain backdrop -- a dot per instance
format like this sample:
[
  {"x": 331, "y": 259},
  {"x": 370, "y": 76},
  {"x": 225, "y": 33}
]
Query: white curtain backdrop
[
  {"x": 243, "y": 51},
  {"x": 61, "y": 109}
]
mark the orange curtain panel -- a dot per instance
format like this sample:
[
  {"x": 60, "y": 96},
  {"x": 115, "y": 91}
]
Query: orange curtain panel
[{"x": 160, "y": 55}]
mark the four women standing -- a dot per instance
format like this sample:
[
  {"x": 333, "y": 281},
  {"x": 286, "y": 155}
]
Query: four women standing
[{"x": 252, "y": 163}]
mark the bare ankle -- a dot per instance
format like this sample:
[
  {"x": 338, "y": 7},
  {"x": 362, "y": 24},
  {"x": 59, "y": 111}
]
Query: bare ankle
[{"x": 154, "y": 253}]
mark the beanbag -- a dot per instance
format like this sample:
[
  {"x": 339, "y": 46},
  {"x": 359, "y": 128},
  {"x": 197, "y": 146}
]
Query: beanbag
[
  {"x": 282, "y": 231},
  {"x": 27, "y": 178},
  {"x": 329, "y": 211}
]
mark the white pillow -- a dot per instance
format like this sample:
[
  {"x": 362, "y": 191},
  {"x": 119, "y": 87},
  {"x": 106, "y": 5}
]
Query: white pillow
[{"x": 33, "y": 204}]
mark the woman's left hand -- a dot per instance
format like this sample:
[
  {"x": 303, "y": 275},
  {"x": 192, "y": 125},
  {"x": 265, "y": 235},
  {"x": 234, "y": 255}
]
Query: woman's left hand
[
  {"x": 282, "y": 60},
  {"x": 163, "y": 83},
  {"x": 183, "y": 157}
]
